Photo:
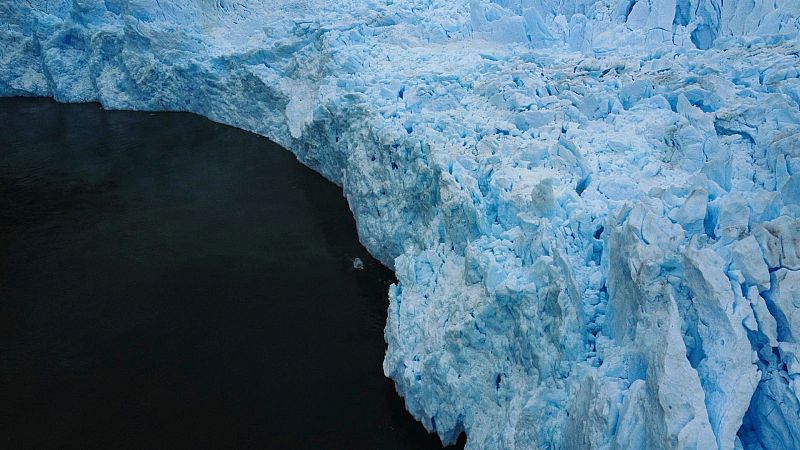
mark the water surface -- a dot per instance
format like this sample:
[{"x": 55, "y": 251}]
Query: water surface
[{"x": 169, "y": 282}]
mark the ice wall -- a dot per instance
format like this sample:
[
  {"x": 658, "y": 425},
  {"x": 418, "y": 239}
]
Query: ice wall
[{"x": 592, "y": 207}]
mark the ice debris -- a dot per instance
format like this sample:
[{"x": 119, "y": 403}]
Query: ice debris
[{"x": 592, "y": 206}]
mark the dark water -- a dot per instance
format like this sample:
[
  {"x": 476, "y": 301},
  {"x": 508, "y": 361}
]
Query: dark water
[{"x": 169, "y": 282}]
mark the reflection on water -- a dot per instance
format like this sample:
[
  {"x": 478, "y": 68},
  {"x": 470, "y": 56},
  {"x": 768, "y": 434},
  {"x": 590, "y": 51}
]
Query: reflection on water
[{"x": 166, "y": 281}]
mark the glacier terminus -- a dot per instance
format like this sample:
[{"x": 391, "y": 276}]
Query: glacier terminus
[{"x": 592, "y": 206}]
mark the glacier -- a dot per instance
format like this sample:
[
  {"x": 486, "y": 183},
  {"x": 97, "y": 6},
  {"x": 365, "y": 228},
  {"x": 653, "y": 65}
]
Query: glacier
[{"x": 592, "y": 206}]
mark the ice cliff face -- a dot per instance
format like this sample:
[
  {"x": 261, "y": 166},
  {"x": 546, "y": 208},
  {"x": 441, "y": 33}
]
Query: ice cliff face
[{"x": 592, "y": 207}]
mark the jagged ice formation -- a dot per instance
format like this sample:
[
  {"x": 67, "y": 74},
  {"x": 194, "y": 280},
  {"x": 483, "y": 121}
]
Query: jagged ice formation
[{"x": 592, "y": 206}]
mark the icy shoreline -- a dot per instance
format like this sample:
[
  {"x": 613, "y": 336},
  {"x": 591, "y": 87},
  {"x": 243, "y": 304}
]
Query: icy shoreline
[{"x": 591, "y": 208}]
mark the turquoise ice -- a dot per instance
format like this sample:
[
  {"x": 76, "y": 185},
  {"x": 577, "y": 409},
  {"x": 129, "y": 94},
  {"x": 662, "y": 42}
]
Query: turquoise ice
[{"x": 592, "y": 207}]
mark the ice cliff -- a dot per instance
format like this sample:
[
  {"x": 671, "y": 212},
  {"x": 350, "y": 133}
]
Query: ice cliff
[{"x": 592, "y": 206}]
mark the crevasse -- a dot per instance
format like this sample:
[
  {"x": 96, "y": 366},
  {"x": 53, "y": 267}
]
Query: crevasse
[{"x": 592, "y": 207}]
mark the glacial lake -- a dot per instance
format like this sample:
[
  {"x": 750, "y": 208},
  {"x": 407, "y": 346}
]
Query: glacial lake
[{"x": 170, "y": 282}]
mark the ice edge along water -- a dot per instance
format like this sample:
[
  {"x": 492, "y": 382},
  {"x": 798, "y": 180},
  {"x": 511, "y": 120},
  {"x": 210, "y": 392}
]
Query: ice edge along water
[{"x": 591, "y": 206}]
